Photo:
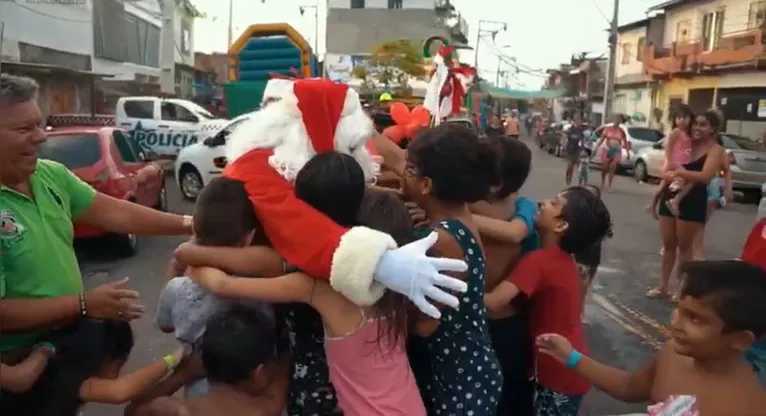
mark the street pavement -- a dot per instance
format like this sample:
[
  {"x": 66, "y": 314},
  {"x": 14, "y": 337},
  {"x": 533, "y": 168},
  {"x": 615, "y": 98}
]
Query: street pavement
[{"x": 624, "y": 327}]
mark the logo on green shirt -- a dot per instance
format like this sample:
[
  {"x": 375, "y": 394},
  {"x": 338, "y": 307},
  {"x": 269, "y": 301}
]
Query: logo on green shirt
[{"x": 10, "y": 229}]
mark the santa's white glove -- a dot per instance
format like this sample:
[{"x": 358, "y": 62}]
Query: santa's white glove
[{"x": 409, "y": 271}]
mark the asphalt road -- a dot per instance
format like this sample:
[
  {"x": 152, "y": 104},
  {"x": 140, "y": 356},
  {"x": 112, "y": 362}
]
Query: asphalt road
[{"x": 625, "y": 328}]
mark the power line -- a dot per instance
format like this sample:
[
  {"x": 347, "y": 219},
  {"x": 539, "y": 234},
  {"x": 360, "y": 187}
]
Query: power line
[
  {"x": 63, "y": 19},
  {"x": 608, "y": 20}
]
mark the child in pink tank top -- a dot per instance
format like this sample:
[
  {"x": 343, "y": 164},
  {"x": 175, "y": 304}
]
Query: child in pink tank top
[
  {"x": 678, "y": 152},
  {"x": 365, "y": 347}
]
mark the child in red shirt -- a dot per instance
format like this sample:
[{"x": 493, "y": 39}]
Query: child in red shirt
[
  {"x": 548, "y": 277},
  {"x": 754, "y": 251}
]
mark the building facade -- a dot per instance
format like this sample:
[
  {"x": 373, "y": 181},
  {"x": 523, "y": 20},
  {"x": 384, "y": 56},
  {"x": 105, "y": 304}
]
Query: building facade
[
  {"x": 633, "y": 88},
  {"x": 51, "y": 43},
  {"x": 86, "y": 54},
  {"x": 356, "y": 27},
  {"x": 711, "y": 54}
]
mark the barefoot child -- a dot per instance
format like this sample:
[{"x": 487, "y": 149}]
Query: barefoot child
[
  {"x": 715, "y": 361},
  {"x": 223, "y": 217},
  {"x": 548, "y": 279},
  {"x": 247, "y": 376},
  {"x": 677, "y": 153},
  {"x": 20, "y": 377},
  {"x": 368, "y": 365}
]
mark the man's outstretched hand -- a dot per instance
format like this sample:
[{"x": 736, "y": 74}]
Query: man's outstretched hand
[{"x": 409, "y": 271}]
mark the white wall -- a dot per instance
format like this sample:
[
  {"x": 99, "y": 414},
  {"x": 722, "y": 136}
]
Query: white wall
[
  {"x": 633, "y": 65},
  {"x": 64, "y": 27},
  {"x": 736, "y": 15},
  {"x": 148, "y": 10},
  {"x": 632, "y": 100},
  {"x": 383, "y": 4}
]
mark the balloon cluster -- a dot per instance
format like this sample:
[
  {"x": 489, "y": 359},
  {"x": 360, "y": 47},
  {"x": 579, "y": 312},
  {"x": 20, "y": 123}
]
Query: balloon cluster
[{"x": 408, "y": 123}]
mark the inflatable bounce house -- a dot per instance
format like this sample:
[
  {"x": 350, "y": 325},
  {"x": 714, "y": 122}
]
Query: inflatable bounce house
[{"x": 261, "y": 52}]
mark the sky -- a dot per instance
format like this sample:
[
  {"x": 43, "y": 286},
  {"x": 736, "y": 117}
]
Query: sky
[{"x": 541, "y": 34}]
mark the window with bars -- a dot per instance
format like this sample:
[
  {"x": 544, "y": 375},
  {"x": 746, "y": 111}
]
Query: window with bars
[
  {"x": 357, "y": 4},
  {"x": 712, "y": 29},
  {"x": 626, "y": 51},
  {"x": 394, "y": 4},
  {"x": 757, "y": 15},
  {"x": 639, "y": 48}
]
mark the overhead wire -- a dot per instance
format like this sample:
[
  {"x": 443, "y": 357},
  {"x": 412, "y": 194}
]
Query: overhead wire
[{"x": 38, "y": 12}]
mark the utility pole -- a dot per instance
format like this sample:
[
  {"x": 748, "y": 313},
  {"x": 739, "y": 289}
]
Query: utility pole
[
  {"x": 231, "y": 25},
  {"x": 481, "y": 31},
  {"x": 612, "y": 65},
  {"x": 302, "y": 9},
  {"x": 167, "y": 48},
  {"x": 2, "y": 35}
]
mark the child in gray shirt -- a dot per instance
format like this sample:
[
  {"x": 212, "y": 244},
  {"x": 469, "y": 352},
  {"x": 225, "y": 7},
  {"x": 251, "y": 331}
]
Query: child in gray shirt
[{"x": 223, "y": 217}]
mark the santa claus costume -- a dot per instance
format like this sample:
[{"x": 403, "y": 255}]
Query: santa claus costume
[{"x": 267, "y": 152}]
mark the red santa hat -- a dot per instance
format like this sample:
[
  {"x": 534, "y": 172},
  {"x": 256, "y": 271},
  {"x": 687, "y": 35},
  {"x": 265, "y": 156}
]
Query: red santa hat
[{"x": 321, "y": 104}]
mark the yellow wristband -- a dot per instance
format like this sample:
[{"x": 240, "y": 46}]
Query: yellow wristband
[{"x": 170, "y": 361}]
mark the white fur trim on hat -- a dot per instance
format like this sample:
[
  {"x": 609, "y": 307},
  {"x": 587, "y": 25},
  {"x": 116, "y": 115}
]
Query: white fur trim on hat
[
  {"x": 276, "y": 87},
  {"x": 354, "y": 264}
]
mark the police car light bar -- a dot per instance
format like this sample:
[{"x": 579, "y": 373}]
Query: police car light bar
[{"x": 70, "y": 120}]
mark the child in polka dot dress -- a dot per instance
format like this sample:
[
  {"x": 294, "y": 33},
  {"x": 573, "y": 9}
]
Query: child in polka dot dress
[{"x": 456, "y": 368}]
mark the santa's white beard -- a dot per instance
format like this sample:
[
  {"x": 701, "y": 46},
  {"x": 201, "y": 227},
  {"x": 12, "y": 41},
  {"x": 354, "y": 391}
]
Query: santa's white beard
[{"x": 274, "y": 127}]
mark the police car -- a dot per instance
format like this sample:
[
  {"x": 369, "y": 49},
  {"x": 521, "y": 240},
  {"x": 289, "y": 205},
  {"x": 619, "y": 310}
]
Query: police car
[
  {"x": 165, "y": 125},
  {"x": 198, "y": 163}
]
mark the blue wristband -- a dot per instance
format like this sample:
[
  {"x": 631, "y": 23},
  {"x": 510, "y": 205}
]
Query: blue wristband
[{"x": 574, "y": 359}]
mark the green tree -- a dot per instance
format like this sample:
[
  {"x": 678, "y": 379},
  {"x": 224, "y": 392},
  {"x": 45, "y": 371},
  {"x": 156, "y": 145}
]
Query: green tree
[{"x": 393, "y": 63}]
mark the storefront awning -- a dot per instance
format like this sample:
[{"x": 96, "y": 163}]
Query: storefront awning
[
  {"x": 505, "y": 93},
  {"x": 46, "y": 68}
]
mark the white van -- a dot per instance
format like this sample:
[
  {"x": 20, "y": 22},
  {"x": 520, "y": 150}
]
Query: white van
[{"x": 165, "y": 125}]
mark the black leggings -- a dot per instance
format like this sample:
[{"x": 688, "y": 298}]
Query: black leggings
[{"x": 513, "y": 347}]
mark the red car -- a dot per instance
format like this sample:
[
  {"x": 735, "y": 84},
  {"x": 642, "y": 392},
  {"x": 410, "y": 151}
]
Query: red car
[{"x": 111, "y": 161}]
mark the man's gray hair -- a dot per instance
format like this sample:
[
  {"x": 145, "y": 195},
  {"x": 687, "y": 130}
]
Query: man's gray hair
[{"x": 15, "y": 89}]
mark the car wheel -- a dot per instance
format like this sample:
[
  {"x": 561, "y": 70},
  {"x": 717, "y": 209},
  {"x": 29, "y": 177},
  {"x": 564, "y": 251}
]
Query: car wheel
[
  {"x": 639, "y": 171},
  {"x": 125, "y": 245},
  {"x": 162, "y": 200},
  {"x": 190, "y": 183}
]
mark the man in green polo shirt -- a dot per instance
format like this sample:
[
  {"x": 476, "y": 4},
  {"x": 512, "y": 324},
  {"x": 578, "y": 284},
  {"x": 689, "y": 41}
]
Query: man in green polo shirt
[{"x": 39, "y": 199}]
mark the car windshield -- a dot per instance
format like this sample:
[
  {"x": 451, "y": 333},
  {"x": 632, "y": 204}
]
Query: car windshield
[
  {"x": 201, "y": 111},
  {"x": 734, "y": 142},
  {"x": 645, "y": 134},
  {"x": 75, "y": 151}
]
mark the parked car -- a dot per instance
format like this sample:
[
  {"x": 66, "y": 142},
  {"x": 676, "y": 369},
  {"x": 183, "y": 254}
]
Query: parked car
[
  {"x": 550, "y": 141},
  {"x": 201, "y": 162},
  {"x": 113, "y": 163},
  {"x": 638, "y": 138},
  {"x": 747, "y": 160}
]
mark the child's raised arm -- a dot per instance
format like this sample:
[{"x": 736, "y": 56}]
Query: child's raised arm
[
  {"x": 129, "y": 386},
  {"x": 245, "y": 261},
  {"x": 628, "y": 387},
  {"x": 293, "y": 287}
]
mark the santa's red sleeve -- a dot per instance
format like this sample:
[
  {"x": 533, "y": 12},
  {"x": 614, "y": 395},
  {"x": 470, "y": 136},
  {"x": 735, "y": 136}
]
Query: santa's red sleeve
[
  {"x": 308, "y": 239},
  {"x": 754, "y": 251}
]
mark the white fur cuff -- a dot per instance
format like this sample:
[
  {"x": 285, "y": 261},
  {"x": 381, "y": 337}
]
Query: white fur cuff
[{"x": 354, "y": 264}]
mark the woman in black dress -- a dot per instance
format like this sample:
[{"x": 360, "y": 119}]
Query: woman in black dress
[{"x": 678, "y": 232}]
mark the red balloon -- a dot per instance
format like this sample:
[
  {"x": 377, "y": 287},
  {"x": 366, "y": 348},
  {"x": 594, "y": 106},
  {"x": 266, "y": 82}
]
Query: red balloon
[
  {"x": 412, "y": 129},
  {"x": 395, "y": 133},
  {"x": 400, "y": 114},
  {"x": 421, "y": 116}
]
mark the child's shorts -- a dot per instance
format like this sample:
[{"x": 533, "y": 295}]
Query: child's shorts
[{"x": 714, "y": 189}]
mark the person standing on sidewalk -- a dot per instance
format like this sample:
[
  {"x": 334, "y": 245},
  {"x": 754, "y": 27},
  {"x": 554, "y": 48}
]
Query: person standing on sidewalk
[{"x": 512, "y": 125}]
